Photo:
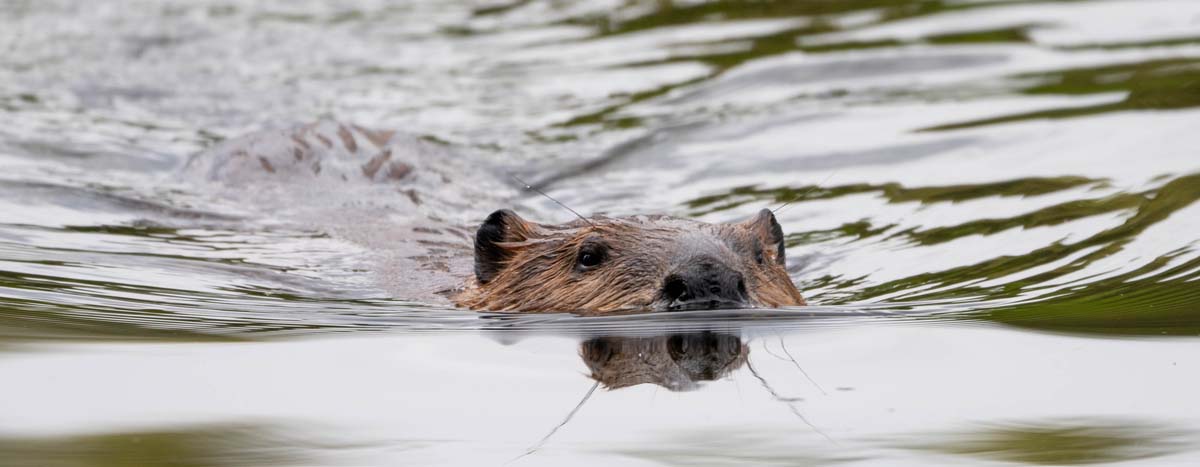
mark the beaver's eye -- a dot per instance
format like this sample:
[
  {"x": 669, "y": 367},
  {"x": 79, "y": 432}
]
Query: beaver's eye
[
  {"x": 589, "y": 260},
  {"x": 591, "y": 256},
  {"x": 758, "y": 256}
]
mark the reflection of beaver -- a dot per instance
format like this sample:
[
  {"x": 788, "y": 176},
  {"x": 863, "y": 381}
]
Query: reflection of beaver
[
  {"x": 676, "y": 362},
  {"x": 593, "y": 265}
]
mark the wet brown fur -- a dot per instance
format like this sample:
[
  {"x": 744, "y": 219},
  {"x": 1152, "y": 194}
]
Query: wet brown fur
[{"x": 538, "y": 269}]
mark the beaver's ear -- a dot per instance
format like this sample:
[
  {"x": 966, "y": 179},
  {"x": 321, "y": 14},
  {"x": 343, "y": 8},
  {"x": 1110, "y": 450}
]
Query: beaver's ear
[
  {"x": 491, "y": 253},
  {"x": 768, "y": 228}
]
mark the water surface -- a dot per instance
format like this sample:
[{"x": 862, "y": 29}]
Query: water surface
[{"x": 990, "y": 204}]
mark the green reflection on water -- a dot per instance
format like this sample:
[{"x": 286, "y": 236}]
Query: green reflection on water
[
  {"x": 28, "y": 320},
  {"x": 1153, "y": 85},
  {"x": 741, "y": 446},
  {"x": 1071, "y": 442},
  {"x": 1135, "y": 44},
  {"x": 670, "y": 13},
  {"x": 1011, "y": 34},
  {"x": 820, "y": 18},
  {"x": 1161, "y": 84},
  {"x": 233, "y": 445},
  {"x": 1161, "y": 297},
  {"x": 893, "y": 192},
  {"x": 23, "y": 320},
  {"x": 1149, "y": 300},
  {"x": 65, "y": 309}
]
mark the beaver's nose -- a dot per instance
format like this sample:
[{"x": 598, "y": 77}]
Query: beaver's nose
[{"x": 704, "y": 283}]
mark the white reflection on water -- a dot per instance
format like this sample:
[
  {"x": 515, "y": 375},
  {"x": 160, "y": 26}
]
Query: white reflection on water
[{"x": 884, "y": 383}]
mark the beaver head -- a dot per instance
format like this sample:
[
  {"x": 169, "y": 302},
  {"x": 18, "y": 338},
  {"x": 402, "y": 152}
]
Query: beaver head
[{"x": 607, "y": 264}]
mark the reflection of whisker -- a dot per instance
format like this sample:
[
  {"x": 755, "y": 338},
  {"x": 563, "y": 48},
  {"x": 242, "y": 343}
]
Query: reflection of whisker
[
  {"x": 783, "y": 345},
  {"x": 787, "y": 401},
  {"x": 538, "y": 445},
  {"x": 773, "y": 354}
]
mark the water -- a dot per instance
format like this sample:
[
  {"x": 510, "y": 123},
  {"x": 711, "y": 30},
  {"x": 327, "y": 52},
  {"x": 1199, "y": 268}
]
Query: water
[{"x": 992, "y": 211}]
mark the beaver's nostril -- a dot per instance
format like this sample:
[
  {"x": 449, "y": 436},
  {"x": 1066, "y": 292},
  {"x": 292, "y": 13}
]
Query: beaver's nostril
[
  {"x": 703, "y": 283},
  {"x": 675, "y": 289}
]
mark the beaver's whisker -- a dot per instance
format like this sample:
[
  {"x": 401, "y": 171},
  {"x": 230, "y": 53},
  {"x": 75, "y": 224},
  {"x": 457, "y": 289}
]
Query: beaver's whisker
[
  {"x": 773, "y": 354},
  {"x": 538, "y": 445},
  {"x": 806, "y": 193},
  {"x": 535, "y": 190}
]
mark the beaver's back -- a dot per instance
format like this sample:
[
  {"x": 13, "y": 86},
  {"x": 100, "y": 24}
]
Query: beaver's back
[
  {"x": 322, "y": 150},
  {"x": 335, "y": 164},
  {"x": 399, "y": 197}
]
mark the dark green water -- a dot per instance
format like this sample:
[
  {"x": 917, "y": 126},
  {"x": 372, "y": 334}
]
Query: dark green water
[{"x": 990, "y": 204}]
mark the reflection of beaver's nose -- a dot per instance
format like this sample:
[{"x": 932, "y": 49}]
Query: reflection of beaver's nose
[{"x": 704, "y": 282}]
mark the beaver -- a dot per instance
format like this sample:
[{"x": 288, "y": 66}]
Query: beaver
[{"x": 592, "y": 265}]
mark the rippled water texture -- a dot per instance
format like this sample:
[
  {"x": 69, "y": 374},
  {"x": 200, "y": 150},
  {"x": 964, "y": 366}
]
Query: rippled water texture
[{"x": 990, "y": 204}]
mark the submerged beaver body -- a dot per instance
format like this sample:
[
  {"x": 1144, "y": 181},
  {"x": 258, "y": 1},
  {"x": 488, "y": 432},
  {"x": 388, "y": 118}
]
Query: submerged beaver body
[
  {"x": 597, "y": 265},
  {"x": 329, "y": 165}
]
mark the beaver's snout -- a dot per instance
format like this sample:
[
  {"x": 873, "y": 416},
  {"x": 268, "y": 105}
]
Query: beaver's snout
[{"x": 704, "y": 283}]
